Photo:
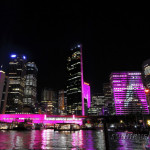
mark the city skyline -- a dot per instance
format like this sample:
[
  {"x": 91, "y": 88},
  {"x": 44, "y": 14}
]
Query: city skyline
[
  {"x": 111, "y": 39},
  {"x": 74, "y": 75}
]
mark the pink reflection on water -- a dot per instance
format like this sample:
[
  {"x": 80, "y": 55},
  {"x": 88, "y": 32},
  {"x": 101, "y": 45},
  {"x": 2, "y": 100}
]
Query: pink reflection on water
[
  {"x": 77, "y": 139},
  {"x": 46, "y": 139}
]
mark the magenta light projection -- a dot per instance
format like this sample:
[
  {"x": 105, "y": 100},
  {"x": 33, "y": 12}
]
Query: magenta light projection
[
  {"x": 128, "y": 93},
  {"x": 41, "y": 118},
  {"x": 87, "y": 94},
  {"x": 82, "y": 81}
]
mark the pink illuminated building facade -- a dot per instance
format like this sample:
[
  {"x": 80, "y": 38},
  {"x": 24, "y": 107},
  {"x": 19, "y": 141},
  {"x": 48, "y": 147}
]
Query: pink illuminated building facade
[
  {"x": 87, "y": 97},
  {"x": 78, "y": 92},
  {"x": 128, "y": 93}
]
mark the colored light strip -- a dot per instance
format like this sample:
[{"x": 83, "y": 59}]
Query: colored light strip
[{"x": 39, "y": 118}]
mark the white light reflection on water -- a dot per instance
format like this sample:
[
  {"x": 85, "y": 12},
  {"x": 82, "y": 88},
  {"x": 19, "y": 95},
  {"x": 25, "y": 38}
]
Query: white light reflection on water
[
  {"x": 50, "y": 139},
  {"x": 129, "y": 141}
]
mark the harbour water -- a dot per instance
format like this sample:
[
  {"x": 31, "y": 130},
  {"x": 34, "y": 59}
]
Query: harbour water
[{"x": 83, "y": 139}]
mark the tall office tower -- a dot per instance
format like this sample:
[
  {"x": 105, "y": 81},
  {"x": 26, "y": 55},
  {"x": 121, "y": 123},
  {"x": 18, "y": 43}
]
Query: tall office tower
[
  {"x": 30, "y": 91},
  {"x": 62, "y": 102},
  {"x": 75, "y": 82},
  {"x": 17, "y": 67},
  {"x": 4, "y": 84},
  {"x": 49, "y": 102},
  {"x": 109, "y": 103},
  {"x": 107, "y": 91},
  {"x": 128, "y": 93},
  {"x": 98, "y": 101}
]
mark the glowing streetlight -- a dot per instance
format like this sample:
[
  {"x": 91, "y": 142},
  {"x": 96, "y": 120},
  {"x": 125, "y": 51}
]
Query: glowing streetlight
[
  {"x": 148, "y": 122},
  {"x": 147, "y": 91},
  {"x": 121, "y": 121}
]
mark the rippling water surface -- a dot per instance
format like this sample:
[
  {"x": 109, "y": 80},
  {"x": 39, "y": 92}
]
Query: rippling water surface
[
  {"x": 48, "y": 139},
  {"x": 88, "y": 140}
]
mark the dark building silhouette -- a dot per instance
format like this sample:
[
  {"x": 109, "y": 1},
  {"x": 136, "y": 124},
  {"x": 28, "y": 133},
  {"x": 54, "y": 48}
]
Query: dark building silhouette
[{"x": 4, "y": 84}]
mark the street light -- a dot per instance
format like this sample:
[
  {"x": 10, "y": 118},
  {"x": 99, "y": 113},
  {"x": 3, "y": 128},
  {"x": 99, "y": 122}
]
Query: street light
[
  {"x": 148, "y": 122},
  {"x": 147, "y": 91},
  {"x": 121, "y": 121}
]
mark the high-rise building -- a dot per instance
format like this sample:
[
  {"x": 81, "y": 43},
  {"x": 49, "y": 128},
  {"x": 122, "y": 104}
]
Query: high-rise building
[
  {"x": 62, "y": 102},
  {"x": 98, "y": 101},
  {"x": 146, "y": 79},
  {"x": 17, "y": 68},
  {"x": 108, "y": 108},
  {"x": 30, "y": 91},
  {"x": 75, "y": 83},
  {"x": 107, "y": 91},
  {"x": 128, "y": 93},
  {"x": 49, "y": 103},
  {"x": 4, "y": 83}
]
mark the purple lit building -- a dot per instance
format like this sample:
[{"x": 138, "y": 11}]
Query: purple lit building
[
  {"x": 128, "y": 93},
  {"x": 87, "y": 94}
]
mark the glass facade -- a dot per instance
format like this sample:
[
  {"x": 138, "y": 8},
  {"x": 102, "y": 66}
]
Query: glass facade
[
  {"x": 17, "y": 67},
  {"x": 49, "y": 103},
  {"x": 78, "y": 91},
  {"x": 74, "y": 80},
  {"x": 62, "y": 102},
  {"x": 30, "y": 85},
  {"x": 128, "y": 93}
]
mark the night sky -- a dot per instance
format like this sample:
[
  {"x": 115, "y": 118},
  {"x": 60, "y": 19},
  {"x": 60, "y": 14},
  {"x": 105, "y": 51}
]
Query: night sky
[{"x": 113, "y": 38}]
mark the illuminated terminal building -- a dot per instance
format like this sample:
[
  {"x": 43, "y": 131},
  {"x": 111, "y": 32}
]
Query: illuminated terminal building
[
  {"x": 128, "y": 93},
  {"x": 78, "y": 92}
]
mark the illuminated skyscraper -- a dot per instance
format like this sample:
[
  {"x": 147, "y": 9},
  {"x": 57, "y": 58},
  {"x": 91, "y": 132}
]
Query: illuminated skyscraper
[
  {"x": 62, "y": 102},
  {"x": 109, "y": 103},
  {"x": 128, "y": 93},
  {"x": 4, "y": 83},
  {"x": 30, "y": 91},
  {"x": 17, "y": 68},
  {"x": 76, "y": 90},
  {"x": 49, "y": 103}
]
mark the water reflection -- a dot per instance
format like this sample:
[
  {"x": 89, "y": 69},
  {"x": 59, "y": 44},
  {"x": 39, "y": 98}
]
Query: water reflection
[
  {"x": 89, "y": 140},
  {"x": 50, "y": 139},
  {"x": 128, "y": 141}
]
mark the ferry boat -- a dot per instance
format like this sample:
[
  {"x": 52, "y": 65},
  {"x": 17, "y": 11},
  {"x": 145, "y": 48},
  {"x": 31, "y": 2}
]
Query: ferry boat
[{"x": 66, "y": 127}]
